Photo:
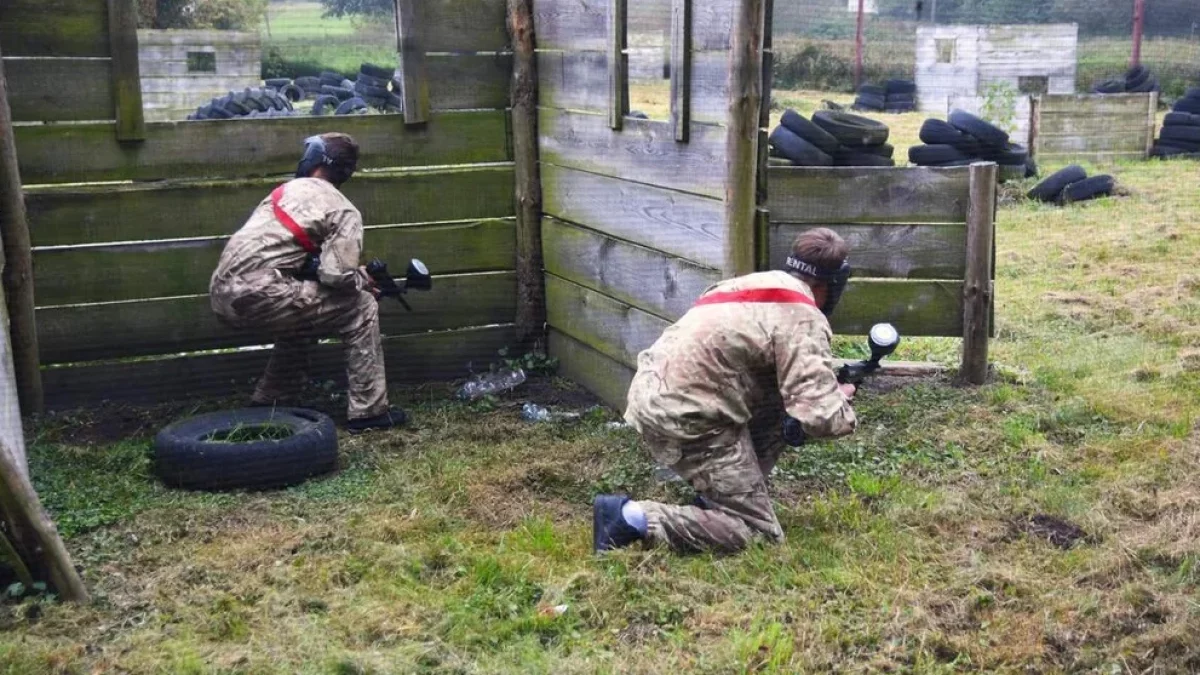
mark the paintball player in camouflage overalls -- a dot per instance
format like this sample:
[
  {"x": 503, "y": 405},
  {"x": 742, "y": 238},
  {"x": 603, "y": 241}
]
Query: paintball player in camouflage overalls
[
  {"x": 259, "y": 285},
  {"x": 716, "y": 397}
]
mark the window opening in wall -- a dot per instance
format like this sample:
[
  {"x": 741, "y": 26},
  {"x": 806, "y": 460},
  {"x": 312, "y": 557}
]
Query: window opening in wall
[
  {"x": 649, "y": 58},
  {"x": 1034, "y": 84},
  {"x": 201, "y": 62},
  {"x": 945, "y": 50}
]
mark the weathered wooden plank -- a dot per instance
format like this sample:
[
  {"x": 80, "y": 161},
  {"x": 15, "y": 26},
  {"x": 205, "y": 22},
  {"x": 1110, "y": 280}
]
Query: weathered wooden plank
[
  {"x": 1127, "y": 124},
  {"x": 618, "y": 63},
  {"x": 578, "y": 81},
  {"x": 52, "y": 90},
  {"x": 977, "y": 286},
  {"x": 647, "y": 279},
  {"x": 582, "y": 24},
  {"x": 468, "y": 81},
  {"x": 742, "y": 134},
  {"x": 463, "y": 25},
  {"x": 681, "y": 68},
  {"x": 645, "y": 151},
  {"x": 613, "y": 328},
  {"x": 54, "y": 27},
  {"x": 608, "y": 379},
  {"x": 414, "y": 81},
  {"x": 867, "y": 195},
  {"x": 126, "y": 75},
  {"x": 683, "y": 225},
  {"x": 425, "y": 357},
  {"x": 1052, "y": 144},
  {"x": 251, "y": 147},
  {"x": 1094, "y": 104},
  {"x": 889, "y": 251},
  {"x": 183, "y": 267},
  {"x": 198, "y": 36},
  {"x": 915, "y": 308},
  {"x": 172, "y": 325},
  {"x": 135, "y": 212}
]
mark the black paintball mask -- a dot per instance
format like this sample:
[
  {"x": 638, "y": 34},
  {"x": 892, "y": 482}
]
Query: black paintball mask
[
  {"x": 315, "y": 156},
  {"x": 834, "y": 279}
]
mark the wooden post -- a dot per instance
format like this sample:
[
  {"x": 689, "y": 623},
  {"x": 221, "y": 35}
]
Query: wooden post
[
  {"x": 531, "y": 284},
  {"x": 741, "y": 136},
  {"x": 1139, "y": 22},
  {"x": 16, "y": 263},
  {"x": 764, "y": 120},
  {"x": 1151, "y": 121},
  {"x": 977, "y": 287},
  {"x": 618, "y": 71},
  {"x": 414, "y": 85},
  {"x": 681, "y": 68},
  {"x": 126, "y": 74},
  {"x": 858, "y": 46}
]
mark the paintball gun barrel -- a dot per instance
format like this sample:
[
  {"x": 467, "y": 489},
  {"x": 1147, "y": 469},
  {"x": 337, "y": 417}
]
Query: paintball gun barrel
[{"x": 417, "y": 277}]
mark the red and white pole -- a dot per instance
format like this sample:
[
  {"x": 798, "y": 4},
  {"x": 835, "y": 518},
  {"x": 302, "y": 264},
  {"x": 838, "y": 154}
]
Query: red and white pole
[{"x": 1139, "y": 23}]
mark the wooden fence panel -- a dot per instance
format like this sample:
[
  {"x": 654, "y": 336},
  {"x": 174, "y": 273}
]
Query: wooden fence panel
[
  {"x": 55, "y": 90},
  {"x": 579, "y": 81},
  {"x": 425, "y": 357},
  {"x": 1094, "y": 126},
  {"x": 613, "y": 328},
  {"x": 137, "y": 212},
  {"x": 644, "y": 278},
  {"x": 471, "y": 81},
  {"x": 683, "y": 225},
  {"x": 867, "y": 195},
  {"x": 173, "y": 325},
  {"x": 607, "y": 379},
  {"x": 888, "y": 251},
  {"x": 581, "y": 25},
  {"x": 65, "y": 28},
  {"x": 251, "y": 147},
  {"x": 915, "y": 308},
  {"x": 645, "y": 151},
  {"x": 107, "y": 273},
  {"x": 463, "y": 25}
]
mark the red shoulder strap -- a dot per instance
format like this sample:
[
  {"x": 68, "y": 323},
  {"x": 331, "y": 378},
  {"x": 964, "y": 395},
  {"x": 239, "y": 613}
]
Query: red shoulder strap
[
  {"x": 763, "y": 295},
  {"x": 290, "y": 223}
]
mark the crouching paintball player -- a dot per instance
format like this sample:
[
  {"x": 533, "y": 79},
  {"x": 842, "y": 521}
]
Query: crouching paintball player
[
  {"x": 746, "y": 370},
  {"x": 292, "y": 271}
]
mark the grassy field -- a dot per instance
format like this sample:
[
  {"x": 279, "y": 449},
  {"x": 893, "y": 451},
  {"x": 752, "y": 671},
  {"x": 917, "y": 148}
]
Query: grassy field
[
  {"x": 298, "y": 40},
  {"x": 937, "y": 539}
]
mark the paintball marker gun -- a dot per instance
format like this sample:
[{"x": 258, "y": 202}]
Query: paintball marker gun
[
  {"x": 416, "y": 278},
  {"x": 883, "y": 340}
]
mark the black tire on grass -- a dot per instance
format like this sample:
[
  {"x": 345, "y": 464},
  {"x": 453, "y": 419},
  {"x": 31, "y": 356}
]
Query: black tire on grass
[
  {"x": 1014, "y": 155},
  {"x": 851, "y": 130},
  {"x": 1110, "y": 87},
  {"x": 1177, "y": 133},
  {"x": 848, "y": 157},
  {"x": 886, "y": 150},
  {"x": 341, "y": 93},
  {"x": 804, "y": 128},
  {"x": 900, "y": 87},
  {"x": 277, "y": 82},
  {"x": 933, "y": 155},
  {"x": 351, "y": 106},
  {"x": 1135, "y": 77},
  {"x": 1151, "y": 84},
  {"x": 789, "y": 145},
  {"x": 187, "y": 456},
  {"x": 985, "y": 131},
  {"x": 363, "y": 78},
  {"x": 872, "y": 90},
  {"x": 1049, "y": 189},
  {"x": 382, "y": 72},
  {"x": 292, "y": 93},
  {"x": 1089, "y": 188},
  {"x": 870, "y": 102},
  {"x": 1187, "y": 105},
  {"x": 325, "y": 105}
]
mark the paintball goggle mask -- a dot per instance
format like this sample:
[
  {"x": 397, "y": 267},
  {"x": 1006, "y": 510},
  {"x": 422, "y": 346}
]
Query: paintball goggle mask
[
  {"x": 316, "y": 155},
  {"x": 834, "y": 280}
]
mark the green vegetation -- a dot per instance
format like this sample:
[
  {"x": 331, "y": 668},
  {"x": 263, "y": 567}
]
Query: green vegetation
[
  {"x": 299, "y": 40},
  {"x": 926, "y": 542}
]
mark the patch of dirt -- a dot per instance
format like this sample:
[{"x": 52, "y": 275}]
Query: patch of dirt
[
  {"x": 555, "y": 393},
  {"x": 1061, "y": 533},
  {"x": 106, "y": 424},
  {"x": 883, "y": 384}
]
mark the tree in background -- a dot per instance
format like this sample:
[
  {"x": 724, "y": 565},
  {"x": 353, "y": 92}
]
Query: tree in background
[
  {"x": 368, "y": 8},
  {"x": 218, "y": 14}
]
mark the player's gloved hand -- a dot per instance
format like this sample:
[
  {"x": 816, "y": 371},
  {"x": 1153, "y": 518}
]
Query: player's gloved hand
[{"x": 793, "y": 433}]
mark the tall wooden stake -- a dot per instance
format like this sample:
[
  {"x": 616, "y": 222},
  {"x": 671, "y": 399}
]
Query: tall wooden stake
[
  {"x": 977, "y": 287},
  {"x": 414, "y": 85},
  {"x": 618, "y": 70},
  {"x": 17, "y": 264},
  {"x": 858, "y": 46},
  {"x": 741, "y": 136},
  {"x": 1139, "y": 22},
  {"x": 531, "y": 285}
]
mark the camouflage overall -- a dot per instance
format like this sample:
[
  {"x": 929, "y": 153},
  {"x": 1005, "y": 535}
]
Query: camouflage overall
[
  {"x": 252, "y": 290},
  {"x": 709, "y": 399}
]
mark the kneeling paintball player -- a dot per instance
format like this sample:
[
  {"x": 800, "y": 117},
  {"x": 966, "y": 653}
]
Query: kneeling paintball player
[
  {"x": 292, "y": 271},
  {"x": 717, "y": 396}
]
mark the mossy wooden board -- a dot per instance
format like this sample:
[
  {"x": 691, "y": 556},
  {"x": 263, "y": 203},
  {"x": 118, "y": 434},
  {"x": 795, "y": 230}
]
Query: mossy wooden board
[
  {"x": 57, "y": 90},
  {"x": 604, "y": 377},
  {"x": 67, "y": 28},
  {"x": 824, "y": 195},
  {"x": 888, "y": 251},
  {"x": 173, "y": 325}
]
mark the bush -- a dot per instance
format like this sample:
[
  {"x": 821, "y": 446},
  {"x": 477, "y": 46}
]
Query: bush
[{"x": 218, "y": 14}]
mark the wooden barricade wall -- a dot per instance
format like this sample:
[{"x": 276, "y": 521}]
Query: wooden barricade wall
[
  {"x": 172, "y": 88},
  {"x": 635, "y": 225},
  {"x": 1093, "y": 126},
  {"x": 122, "y": 268},
  {"x": 907, "y": 231}
]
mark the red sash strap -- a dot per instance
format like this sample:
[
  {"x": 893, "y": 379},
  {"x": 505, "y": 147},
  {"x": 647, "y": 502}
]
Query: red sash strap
[
  {"x": 290, "y": 223},
  {"x": 776, "y": 295}
]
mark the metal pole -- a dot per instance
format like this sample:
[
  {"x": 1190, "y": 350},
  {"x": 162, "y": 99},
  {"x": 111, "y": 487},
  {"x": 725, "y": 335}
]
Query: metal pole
[
  {"x": 933, "y": 13},
  {"x": 1139, "y": 22},
  {"x": 858, "y": 46}
]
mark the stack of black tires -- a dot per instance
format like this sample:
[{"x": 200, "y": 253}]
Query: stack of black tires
[
  {"x": 1072, "y": 184},
  {"x": 251, "y": 103},
  {"x": 893, "y": 96},
  {"x": 1137, "y": 80},
  {"x": 831, "y": 138},
  {"x": 966, "y": 138},
  {"x": 1180, "y": 135}
]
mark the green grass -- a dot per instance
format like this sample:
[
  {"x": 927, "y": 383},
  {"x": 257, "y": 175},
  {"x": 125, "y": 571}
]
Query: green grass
[
  {"x": 452, "y": 546},
  {"x": 299, "y": 40}
]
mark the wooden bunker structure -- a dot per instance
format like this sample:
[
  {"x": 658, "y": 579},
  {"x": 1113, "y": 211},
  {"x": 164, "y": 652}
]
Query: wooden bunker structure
[
  {"x": 184, "y": 69},
  {"x": 544, "y": 209}
]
